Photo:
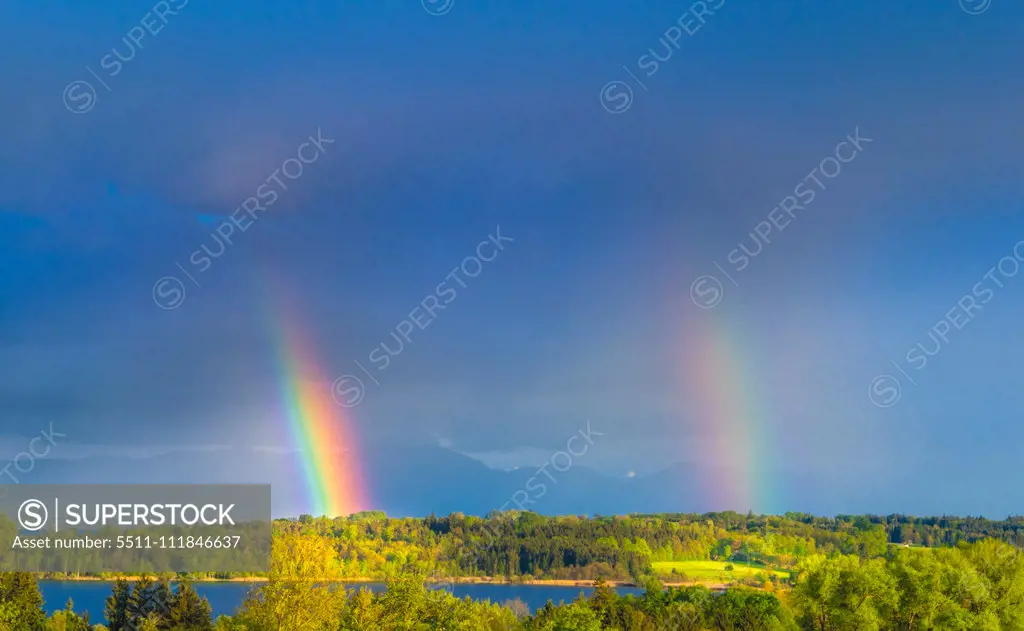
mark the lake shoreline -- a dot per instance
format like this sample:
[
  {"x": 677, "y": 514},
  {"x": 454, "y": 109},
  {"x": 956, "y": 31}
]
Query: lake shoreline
[
  {"x": 226, "y": 597},
  {"x": 464, "y": 580}
]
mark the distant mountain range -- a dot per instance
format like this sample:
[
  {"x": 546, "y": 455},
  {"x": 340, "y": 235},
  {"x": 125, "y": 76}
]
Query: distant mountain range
[
  {"x": 417, "y": 480},
  {"x": 406, "y": 480}
]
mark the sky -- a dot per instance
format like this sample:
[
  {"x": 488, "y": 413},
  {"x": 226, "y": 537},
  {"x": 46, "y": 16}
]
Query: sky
[{"x": 623, "y": 188}]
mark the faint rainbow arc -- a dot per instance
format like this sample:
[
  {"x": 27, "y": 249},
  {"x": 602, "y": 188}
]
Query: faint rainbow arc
[{"x": 723, "y": 401}]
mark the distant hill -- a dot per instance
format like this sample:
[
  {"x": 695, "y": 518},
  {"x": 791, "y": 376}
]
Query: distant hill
[{"x": 408, "y": 479}]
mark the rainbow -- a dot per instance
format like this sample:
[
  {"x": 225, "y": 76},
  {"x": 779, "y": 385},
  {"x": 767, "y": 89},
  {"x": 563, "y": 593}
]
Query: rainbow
[
  {"x": 721, "y": 400},
  {"x": 319, "y": 429}
]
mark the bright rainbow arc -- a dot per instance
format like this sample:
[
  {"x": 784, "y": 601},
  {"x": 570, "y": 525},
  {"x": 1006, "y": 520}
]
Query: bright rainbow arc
[{"x": 320, "y": 430}]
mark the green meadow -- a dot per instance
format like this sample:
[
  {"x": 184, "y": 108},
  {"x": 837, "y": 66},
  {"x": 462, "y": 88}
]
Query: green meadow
[{"x": 711, "y": 571}]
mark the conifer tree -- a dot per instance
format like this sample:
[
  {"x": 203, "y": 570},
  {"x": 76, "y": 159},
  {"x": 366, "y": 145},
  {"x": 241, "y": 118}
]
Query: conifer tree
[
  {"x": 117, "y": 606},
  {"x": 188, "y": 610},
  {"x": 21, "y": 604}
]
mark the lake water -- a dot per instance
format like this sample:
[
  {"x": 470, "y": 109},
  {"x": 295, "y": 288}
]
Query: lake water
[{"x": 224, "y": 598}]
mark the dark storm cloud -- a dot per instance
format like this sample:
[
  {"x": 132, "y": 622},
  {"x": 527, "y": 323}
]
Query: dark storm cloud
[
  {"x": 721, "y": 172},
  {"x": 615, "y": 215}
]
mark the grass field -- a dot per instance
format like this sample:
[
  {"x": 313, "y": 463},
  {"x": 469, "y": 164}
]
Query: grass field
[{"x": 710, "y": 571}]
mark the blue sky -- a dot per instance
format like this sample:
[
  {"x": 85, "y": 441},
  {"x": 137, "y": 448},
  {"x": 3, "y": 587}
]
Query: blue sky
[{"x": 447, "y": 126}]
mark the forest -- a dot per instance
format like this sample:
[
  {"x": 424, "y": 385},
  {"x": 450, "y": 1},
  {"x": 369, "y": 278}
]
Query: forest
[
  {"x": 521, "y": 546},
  {"x": 846, "y": 573}
]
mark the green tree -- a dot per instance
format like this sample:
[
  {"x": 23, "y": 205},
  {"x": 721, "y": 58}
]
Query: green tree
[
  {"x": 116, "y": 609},
  {"x": 574, "y": 617},
  {"x": 300, "y": 594},
  {"x": 603, "y": 601},
  {"x": 844, "y": 594},
  {"x": 921, "y": 579},
  {"x": 21, "y": 604},
  {"x": 67, "y": 620},
  {"x": 874, "y": 542},
  {"x": 149, "y": 600},
  {"x": 188, "y": 610}
]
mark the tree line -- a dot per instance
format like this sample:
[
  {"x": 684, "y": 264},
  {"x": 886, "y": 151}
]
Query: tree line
[
  {"x": 971, "y": 587},
  {"x": 525, "y": 546},
  {"x": 847, "y": 572}
]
